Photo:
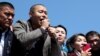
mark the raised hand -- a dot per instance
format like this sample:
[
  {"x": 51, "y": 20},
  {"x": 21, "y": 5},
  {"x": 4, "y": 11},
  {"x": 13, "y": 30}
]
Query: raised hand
[
  {"x": 86, "y": 53},
  {"x": 45, "y": 23}
]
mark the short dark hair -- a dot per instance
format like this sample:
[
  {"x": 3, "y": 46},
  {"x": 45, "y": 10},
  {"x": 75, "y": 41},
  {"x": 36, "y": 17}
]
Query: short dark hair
[
  {"x": 92, "y": 33},
  {"x": 62, "y": 27},
  {"x": 6, "y": 4},
  {"x": 33, "y": 6}
]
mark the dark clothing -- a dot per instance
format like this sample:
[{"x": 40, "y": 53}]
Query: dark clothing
[
  {"x": 10, "y": 44},
  {"x": 95, "y": 53},
  {"x": 72, "y": 53},
  {"x": 38, "y": 50},
  {"x": 55, "y": 50},
  {"x": 17, "y": 48},
  {"x": 7, "y": 42}
]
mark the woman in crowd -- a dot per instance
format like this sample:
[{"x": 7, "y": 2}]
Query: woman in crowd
[
  {"x": 61, "y": 34},
  {"x": 77, "y": 42}
]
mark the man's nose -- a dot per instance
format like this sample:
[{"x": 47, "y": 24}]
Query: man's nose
[
  {"x": 10, "y": 18},
  {"x": 94, "y": 43},
  {"x": 44, "y": 15}
]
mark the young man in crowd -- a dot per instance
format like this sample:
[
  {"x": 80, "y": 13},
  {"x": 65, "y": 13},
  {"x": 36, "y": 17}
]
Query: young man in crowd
[
  {"x": 93, "y": 38},
  {"x": 34, "y": 34}
]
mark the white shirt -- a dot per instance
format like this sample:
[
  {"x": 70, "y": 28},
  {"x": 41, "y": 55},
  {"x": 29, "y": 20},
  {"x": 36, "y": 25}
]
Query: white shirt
[{"x": 2, "y": 43}]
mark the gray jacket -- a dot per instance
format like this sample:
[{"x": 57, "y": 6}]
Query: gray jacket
[{"x": 37, "y": 41}]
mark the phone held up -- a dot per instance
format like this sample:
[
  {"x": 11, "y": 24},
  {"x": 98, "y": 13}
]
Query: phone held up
[{"x": 86, "y": 47}]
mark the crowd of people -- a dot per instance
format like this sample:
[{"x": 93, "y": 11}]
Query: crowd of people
[{"x": 36, "y": 37}]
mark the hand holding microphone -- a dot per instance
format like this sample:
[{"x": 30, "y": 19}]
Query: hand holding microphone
[
  {"x": 45, "y": 24},
  {"x": 51, "y": 31}
]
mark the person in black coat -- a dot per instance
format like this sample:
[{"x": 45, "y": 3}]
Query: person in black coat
[{"x": 9, "y": 45}]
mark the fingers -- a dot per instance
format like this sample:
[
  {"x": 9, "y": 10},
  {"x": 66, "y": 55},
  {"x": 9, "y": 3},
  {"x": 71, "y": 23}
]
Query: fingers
[
  {"x": 45, "y": 23},
  {"x": 51, "y": 31},
  {"x": 86, "y": 53},
  {"x": 89, "y": 54},
  {"x": 88, "y": 50}
]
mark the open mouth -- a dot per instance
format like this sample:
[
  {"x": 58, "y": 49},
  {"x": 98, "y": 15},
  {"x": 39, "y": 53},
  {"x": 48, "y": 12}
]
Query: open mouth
[{"x": 59, "y": 38}]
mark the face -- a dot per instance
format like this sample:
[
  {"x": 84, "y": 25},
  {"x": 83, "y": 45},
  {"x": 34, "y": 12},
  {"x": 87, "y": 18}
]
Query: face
[
  {"x": 94, "y": 41},
  {"x": 61, "y": 34},
  {"x": 6, "y": 16},
  {"x": 40, "y": 13},
  {"x": 79, "y": 43}
]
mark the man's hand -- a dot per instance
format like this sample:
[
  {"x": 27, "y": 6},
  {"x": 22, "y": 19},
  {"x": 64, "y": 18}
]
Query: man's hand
[
  {"x": 45, "y": 24},
  {"x": 86, "y": 53},
  {"x": 51, "y": 31}
]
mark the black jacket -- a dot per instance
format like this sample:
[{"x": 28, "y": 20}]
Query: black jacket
[{"x": 12, "y": 46}]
